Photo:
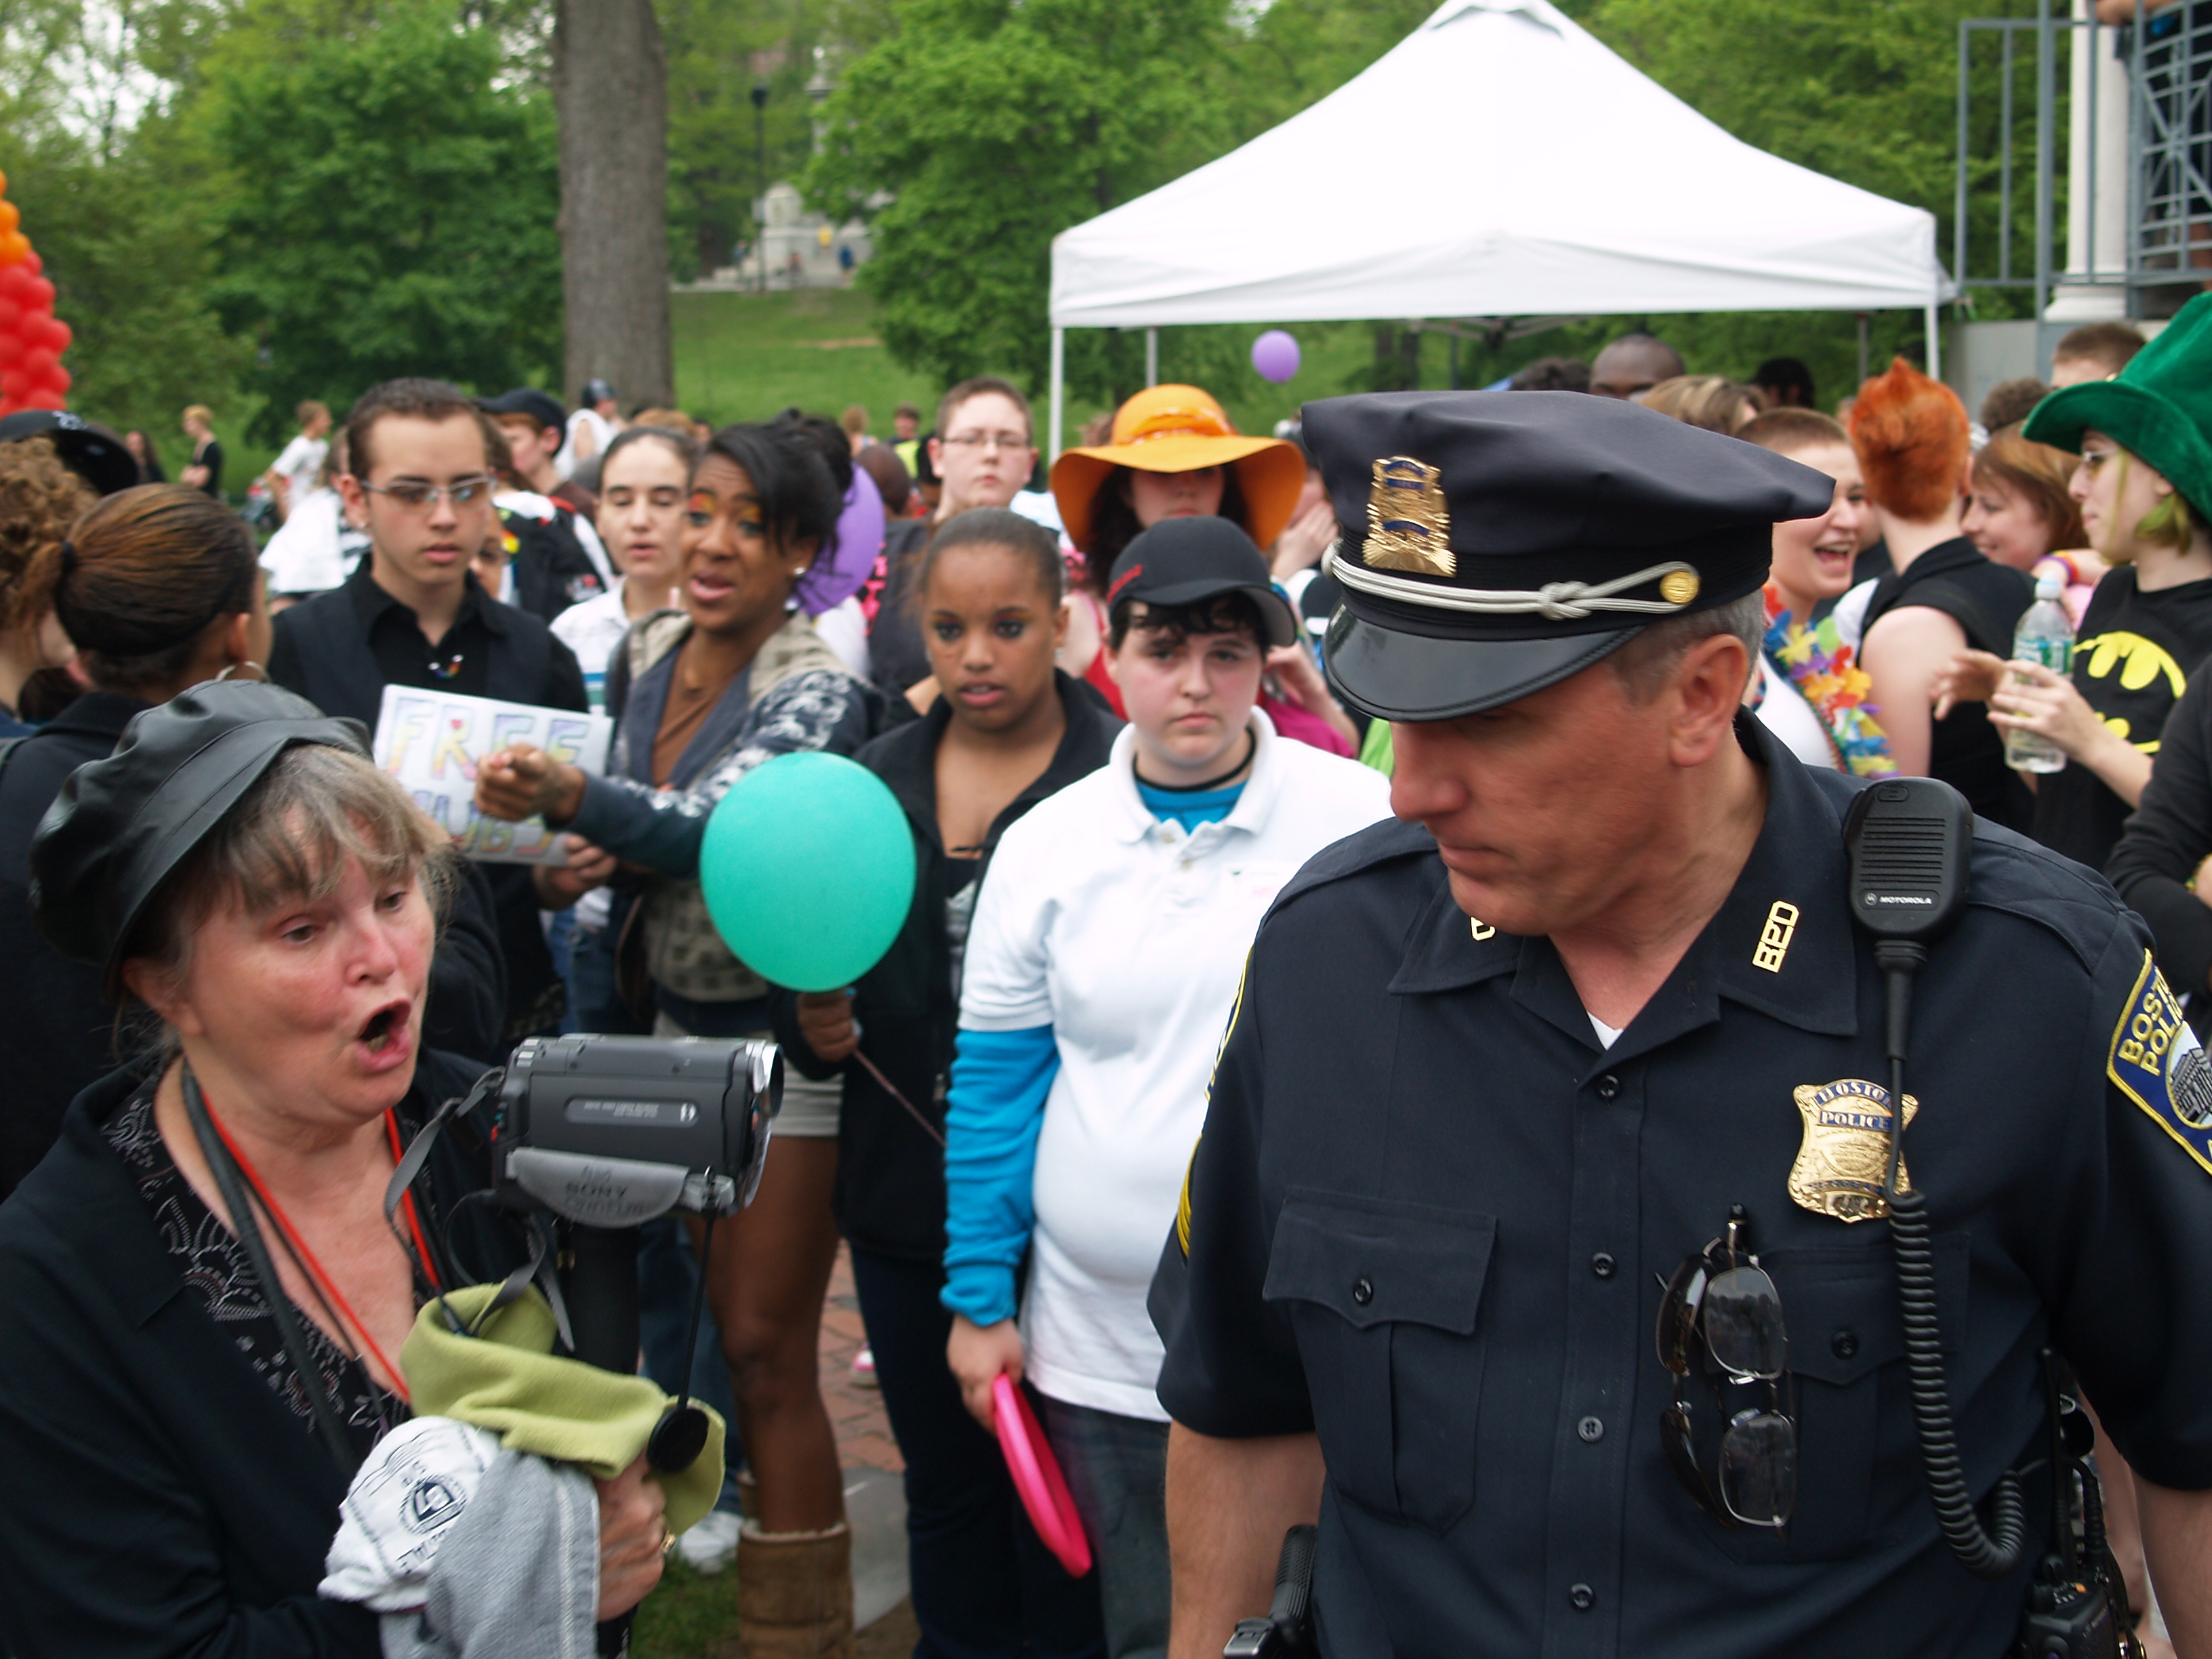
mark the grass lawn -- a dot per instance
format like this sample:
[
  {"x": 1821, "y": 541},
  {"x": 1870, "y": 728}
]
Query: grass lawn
[
  {"x": 690, "y": 1617},
  {"x": 744, "y": 356}
]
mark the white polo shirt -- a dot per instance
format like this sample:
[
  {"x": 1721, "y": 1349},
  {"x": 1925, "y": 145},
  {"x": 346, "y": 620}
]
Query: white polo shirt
[{"x": 1128, "y": 937}]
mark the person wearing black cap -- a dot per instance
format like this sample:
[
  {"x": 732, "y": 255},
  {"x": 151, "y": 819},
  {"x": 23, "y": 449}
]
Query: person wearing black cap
[
  {"x": 1102, "y": 958},
  {"x": 535, "y": 427},
  {"x": 192, "y": 1373},
  {"x": 1497, "y": 1069}
]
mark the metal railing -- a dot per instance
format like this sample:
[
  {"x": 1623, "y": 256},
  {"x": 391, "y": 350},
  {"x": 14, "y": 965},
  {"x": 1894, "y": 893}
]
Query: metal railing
[{"x": 2165, "y": 229}]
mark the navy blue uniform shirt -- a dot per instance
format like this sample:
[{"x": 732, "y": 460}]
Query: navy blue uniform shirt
[{"x": 1430, "y": 1218}]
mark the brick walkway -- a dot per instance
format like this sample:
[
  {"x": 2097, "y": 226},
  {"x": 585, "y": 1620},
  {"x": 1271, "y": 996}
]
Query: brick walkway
[{"x": 864, "y": 1433}]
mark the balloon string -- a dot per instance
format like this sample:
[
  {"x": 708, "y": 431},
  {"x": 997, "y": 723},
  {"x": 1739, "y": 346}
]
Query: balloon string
[{"x": 891, "y": 1089}]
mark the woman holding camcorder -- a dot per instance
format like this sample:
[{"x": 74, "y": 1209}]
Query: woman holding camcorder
[{"x": 205, "y": 1287}]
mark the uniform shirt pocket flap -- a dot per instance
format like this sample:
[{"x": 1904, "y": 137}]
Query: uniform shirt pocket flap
[
  {"x": 1373, "y": 1262},
  {"x": 1842, "y": 1312}
]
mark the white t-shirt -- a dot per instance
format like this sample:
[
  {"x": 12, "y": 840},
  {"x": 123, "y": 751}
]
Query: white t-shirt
[
  {"x": 297, "y": 465},
  {"x": 592, "y": 630},
  {"x": 564, "y": 460},
  {"x": 314, "y": 549},
  {"x": 1128, "y": 937},
  {"x": 844, "y": 628}
]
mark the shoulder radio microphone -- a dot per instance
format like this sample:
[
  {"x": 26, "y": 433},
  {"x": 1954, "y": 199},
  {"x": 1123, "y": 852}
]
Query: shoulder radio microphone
[{"x": 1910, "y": 843}]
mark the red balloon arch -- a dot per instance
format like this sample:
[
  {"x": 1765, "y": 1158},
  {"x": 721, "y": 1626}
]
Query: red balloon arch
[{"x": 32, "y": 338}]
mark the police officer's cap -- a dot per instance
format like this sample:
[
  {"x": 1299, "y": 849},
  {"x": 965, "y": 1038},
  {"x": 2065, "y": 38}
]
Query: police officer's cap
[
  {"x": 1494, "y": 543},
  {"x": 121, "y": 825}
]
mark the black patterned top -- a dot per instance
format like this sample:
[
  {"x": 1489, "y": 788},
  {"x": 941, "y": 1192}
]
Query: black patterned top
[{"x": 215, "y": 1269}]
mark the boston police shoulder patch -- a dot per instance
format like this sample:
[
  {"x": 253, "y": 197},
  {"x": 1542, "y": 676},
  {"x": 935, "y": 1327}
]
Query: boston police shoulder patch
[{"x": 2158, "y": 1063}]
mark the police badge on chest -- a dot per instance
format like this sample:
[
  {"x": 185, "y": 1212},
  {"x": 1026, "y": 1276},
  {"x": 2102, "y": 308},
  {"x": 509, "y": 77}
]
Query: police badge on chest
[{"x": 1845, "y": 1155}]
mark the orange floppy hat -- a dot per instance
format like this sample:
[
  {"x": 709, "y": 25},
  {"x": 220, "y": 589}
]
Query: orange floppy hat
[{"x": 1179, "y": 428}]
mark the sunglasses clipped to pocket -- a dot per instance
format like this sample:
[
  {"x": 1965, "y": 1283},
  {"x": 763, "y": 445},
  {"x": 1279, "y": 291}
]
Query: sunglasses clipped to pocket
[{"x": 1722, "y": 1302}]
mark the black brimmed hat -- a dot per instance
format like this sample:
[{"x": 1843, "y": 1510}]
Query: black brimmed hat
[
  {"x": 1183, "y": 560},
  {"x": 542, "y": 407},
  {"x": 87, "y": 448},
  {"x": 1494, "y": 543},
  {"x": 120, "y": 825}
]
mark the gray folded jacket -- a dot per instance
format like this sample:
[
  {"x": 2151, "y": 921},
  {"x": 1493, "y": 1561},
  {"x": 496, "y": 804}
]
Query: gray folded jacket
[{"x": 518, "y": 1577}]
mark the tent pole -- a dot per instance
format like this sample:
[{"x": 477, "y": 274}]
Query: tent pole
[
  {"x": 1151, "y": 357},
  {"x": 1058, "y": 390},
  {"x": 1934, "y": 342}
]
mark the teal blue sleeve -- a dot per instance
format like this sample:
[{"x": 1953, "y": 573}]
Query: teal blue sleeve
[{"x": 993, "y": 1113}]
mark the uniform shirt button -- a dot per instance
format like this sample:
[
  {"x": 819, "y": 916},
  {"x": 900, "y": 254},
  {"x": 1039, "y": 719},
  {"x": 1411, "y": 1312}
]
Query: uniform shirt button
[
  {"x": 1601, "y": 1264},
  {"x": 1591, "y": 1430},
  {"x": 1844, "y": 1344},
  {"x": 1362, "y": 1289},
  {"x": 1582, "y": 1597},
  {"x": 1609, "y": 1087}
]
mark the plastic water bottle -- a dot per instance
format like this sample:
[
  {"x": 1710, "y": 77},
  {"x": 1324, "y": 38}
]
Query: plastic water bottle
[{"x": 2046, "y": 636}]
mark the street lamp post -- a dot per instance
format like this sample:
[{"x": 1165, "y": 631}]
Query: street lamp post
[{"x": 760, "y": 179}]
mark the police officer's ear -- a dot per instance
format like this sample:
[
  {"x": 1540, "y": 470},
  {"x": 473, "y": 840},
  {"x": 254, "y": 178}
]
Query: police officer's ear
[{"x": 1701, "y": 696}]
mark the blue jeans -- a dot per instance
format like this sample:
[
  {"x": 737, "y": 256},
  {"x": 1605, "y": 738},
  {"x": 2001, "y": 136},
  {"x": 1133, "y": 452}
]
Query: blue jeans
[
  {"x": 984, "y": 1585},
  {"x": 1117, "y": 1472}
]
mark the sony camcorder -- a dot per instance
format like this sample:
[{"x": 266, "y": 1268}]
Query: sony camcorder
[{"x": 612, "y": 1132}]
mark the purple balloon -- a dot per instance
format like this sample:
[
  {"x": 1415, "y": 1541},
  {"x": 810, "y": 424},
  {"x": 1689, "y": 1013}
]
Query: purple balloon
[
  {"x": 840, "y": 568},
  {"x": 1275, "y": 355}
]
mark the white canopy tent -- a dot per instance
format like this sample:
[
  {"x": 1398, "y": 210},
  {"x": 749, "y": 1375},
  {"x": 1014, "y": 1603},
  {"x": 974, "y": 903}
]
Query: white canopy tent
[{"x": 1499, "y": 161}]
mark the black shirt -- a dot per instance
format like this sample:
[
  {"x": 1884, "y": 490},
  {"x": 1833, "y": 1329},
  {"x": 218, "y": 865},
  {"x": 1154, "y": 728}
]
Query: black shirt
[
  {"x": 56, "y": 1028},
  {"x": 1985, "y": 599},
  {"x": 897, "y": 655},
  {"x": 458, "y": 662},
  {"x": 158, "y": 1496},
  {"x": 1430, "y": 1217},
  {"x": 2169, "y": 835},
  {"x": 2134, "y": 657},
  {"x": 209, "y": 455}
]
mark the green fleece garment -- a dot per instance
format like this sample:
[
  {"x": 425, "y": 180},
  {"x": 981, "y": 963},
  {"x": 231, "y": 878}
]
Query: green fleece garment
[{"x": 507, "y": 1379}]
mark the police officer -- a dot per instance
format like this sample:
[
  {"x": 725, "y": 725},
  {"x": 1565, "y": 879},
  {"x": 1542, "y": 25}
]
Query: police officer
[{"x": 1501, "y": 1071}]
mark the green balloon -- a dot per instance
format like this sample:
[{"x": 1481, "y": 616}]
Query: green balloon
[{"x": 807, "y": 868}]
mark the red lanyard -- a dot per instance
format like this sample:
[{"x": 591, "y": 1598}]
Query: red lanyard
[{"x": 323, "y": 1280}]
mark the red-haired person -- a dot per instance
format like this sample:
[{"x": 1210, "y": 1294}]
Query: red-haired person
[{"x": 1942, "y": 596}]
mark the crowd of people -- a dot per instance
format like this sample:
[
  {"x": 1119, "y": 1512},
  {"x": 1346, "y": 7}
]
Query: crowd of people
[{"x": 1124, "y": 696}]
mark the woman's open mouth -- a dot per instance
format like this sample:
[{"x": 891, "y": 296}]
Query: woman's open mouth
[
  {"x": 711, "y": 589},
  {"x": 384, "y": 1034}
]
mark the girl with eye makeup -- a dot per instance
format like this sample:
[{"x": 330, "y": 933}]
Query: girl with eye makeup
[
  {"x": 702, "y": 697},
  {"x": 1007, "y": 730}
]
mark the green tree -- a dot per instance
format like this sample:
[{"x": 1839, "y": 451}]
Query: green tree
[
  {"x": 993, "y": 124},
  {"x": 390, "y": 206},
  {"x": 718, "y": 53},
  {"x": 126, "y": 243}
]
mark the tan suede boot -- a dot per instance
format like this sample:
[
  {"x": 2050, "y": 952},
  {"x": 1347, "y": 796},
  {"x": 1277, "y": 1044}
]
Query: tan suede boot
[{"x": 795, "y": 1594}]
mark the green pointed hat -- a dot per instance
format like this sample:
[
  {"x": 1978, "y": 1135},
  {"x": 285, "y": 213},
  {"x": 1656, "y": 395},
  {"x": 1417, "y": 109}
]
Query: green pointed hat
[{"x": 2159, "y": 407}]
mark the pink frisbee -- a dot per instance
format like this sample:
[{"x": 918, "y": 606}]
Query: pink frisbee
[{"x": 1037, "y": 1477}]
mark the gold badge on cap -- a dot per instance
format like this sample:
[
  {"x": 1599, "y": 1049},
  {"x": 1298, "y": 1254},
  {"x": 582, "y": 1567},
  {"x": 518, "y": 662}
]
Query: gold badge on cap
[
  {"x": 1841, "y": 1168},
  {"x": 1408, "y": 527},
  {"x": 1679, "y": 586}
]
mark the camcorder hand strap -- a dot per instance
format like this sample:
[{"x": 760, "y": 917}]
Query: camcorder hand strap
[{"x": 329, "y": 1426}]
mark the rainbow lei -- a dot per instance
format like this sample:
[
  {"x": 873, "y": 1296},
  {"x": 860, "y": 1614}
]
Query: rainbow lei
[{"x": 1820, "y": 666}]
